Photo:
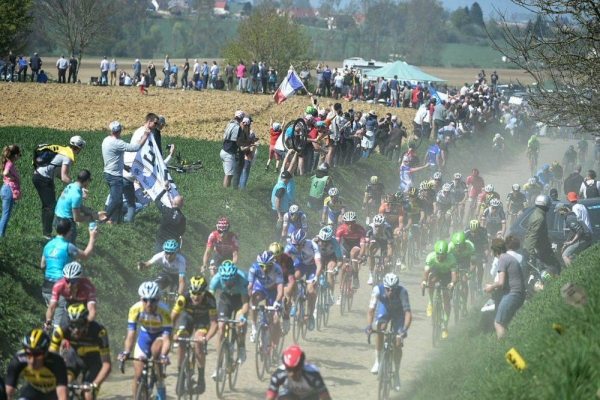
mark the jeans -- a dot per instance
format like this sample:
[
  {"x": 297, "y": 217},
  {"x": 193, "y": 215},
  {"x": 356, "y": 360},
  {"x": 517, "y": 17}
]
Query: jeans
[
  {"x": 245, "y": 174},
  {"x": 129, "y": 192},
  {"x": 7, "y": 205},
  {"x": 115, "y": 203},
  {"x": 47, "y": 193}
]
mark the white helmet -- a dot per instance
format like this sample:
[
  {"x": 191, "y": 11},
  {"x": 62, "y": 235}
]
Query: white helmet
[
  {"x": 294, "y": 209},
  {"x": 276, "y": 126},
  {"x": 516, "y": 187},
  {"x": 532, "y": 181},
  {"x": 489, "y": 188},
  {"x": 326, "y": 233},
  {"x": 72, "y": 270},
  {"x": 391, "y": 280},
  {"x": 542, "y": 200},
  {"x": 495, "y": 202},
  {"x": 149, "y": 290},
  {"x": 77, "y": 141},
  {"x": 437, "y": 175},
  {"x": 497, "y": 135},
  {"x": 458, "y": 175},
  {"x": 333, "y": 191},
  {"x": 378, "y": 220},
  {"x": 447, "y": 187},
  {"x": 349, "y": 216}
]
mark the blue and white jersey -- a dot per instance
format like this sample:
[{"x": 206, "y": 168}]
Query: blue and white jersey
[
  {"x": 267, "y": 281},
  {"x": 304, "y": 254}
]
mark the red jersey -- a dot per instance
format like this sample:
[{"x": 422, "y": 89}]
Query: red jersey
[
  {"x": 476, "y": 185},
  {"x": 351, "y": 236},
  {"x": 85, "y": 291},
  {"x": 274, "y": 136},
  {"x": 223, "y": 243}
]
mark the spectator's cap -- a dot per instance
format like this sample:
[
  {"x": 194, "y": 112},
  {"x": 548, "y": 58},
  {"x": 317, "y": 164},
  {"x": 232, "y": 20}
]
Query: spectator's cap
[
  {"x": 115, "y": 126},
  {"x": 572, "y": 196},
  {"x": 452, "y": 124},
  {"x": 240, "y": 114},
  {"x": 394, "y": 118},
  {"x": 276, "y": 126},
  {"x": 372, "y": 112},
  {"x": 286, "y": 175},
  {"x": 161, "y": 120},
  {"x": 246, "y": 121}
]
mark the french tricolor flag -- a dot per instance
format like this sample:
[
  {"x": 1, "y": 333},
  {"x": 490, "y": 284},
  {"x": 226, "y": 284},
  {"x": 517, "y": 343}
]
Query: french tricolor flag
[{"x": 288, "y": 87}]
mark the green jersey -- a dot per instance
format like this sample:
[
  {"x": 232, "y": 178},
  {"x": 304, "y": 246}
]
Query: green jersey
[
  {"x": 441, "y": 267},
  {"x": 317, "y": 186},
  {"x": 463, "y": 254}
]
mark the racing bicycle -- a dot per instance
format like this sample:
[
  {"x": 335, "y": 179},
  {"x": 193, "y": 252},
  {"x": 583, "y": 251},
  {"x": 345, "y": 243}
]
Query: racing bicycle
[
  {"x": 265, "y": 353},
  {"x": 437, "y": 315},
  {"x": 385, "y": 375},
  {"x": 299, "y": 317},
  {"x": 324, "y": 301},
  {"x": 228, "y": 362},
  {"x": 148, "y": 379},
  {"x": 345, "y": 287},
  {"x": 186, "y": 380}
]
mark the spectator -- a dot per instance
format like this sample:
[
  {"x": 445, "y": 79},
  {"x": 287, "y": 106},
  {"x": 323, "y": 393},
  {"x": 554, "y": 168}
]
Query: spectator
[
  {"x": 11, "y": 188},
  {"x": 247, "y": 151},
  {"x": 104, "y": 65},
  {"x": 43, "y": 179},
  {"x": 205, "y": 72},
  {"x": 62, "y": 65},
  {"x": 166, "y": 71},
  {"x": 264, "y": 77},
  {"x": 282, "y": 197},
  {"x": 172, "y": 220},
  {"x": 214, "y": 74},
  {"x": 72, "y": 69},
  {"x": 254, "y": 70},
  {"x": 573, "y": 181},
  {"x": 22, "y": 65},
  {"x": 35, "y": 63},
  {"x": 12, "y": 65},
  {"x": 394, "y": 145},
  {"x": 590, "y": 187},
  {"x": 274, "y": 134},
  {"x": 580, "y": 210},
  {"x": 272, "y": 80},
  {"x": 511, "y": 283},
  {"x": 152, "y": 73},
  {"x": 580, "y": 237},
  {"x": 229, "y": 72},
  {"x": 113, "y": 148},
  {"x": 112, "y": 68},
  {"x": 157, "y": 132},
  {"x": 69, "y": 206},
  {"x": 137, "y": 70},
  {"x": 184, "y": 74},
  {"x": 42, "y": 77},
  {"x": 230, "y": 151},
  {"x": 196, "y": 73},
  {"x": 536, "y": 242}
]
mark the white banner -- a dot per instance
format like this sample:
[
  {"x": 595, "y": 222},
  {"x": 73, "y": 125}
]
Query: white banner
[{"x": 151, "y": 172}]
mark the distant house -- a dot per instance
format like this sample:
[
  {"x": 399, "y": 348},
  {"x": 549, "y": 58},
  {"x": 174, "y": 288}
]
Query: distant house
[
  {"x": 303, "y": 12},
  {"x": 221, "y": 7}
]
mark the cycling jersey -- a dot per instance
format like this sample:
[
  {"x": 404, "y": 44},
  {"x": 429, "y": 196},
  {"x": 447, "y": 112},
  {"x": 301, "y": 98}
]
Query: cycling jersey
[
  {"x": 330, "y": 249},
  {"x": 533, "y": 144},
  {"x": 194, "y": 315},
  {"x": 333, "y": 207},
  {"x": 85, "y": 292},
  {"x": 462, "y": 253},
  {"x": 93, "y": 340},
  {"x": 544, "y": 177},
  {"x": 304, "y": 254},
  {"x": 44, "y": 380},
  {"x": 391, "y": 306},
  {"x": 444, "y": 201},
  {"x": 350, "y": 235},
  {"x": 309, "y": 387},
  {"x": 236, "y": 286},
  {"x": 152, "y": 324},
  {"x": 392, "y": 212},
  {"x": 262, "y": 280},
  {"x": 433, "y": 264},
  {"x": 476, "y": 184},
  {"x": 517, "y": 201},
  {"x": 177, "y": 266},
  {"x": 58, "y": 252},
  {"x": 479, "y": 239},
  {"x": 413, "y": 209},
  {"x": 224, "y": 244},
  {"x": 287, "y": 266},
  {"x": 493, "y": 220},
  {"x": 485, "y": 198},
  {"x": 433, "y": 152},
  {"x": 295, "y": 223},
  {"x": 458, "y": 190},
  {"x": 380, "y": 234},
  {"x": 375, "y": 192}
]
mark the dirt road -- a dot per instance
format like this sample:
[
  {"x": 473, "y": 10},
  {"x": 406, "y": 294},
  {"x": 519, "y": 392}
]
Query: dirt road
[{"x": 341, "y": 349}]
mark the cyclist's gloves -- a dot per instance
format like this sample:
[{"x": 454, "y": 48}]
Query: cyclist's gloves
[
  {"x": 368, "y": 329},
  {"x": 277, "y": 305},
  {"x": 164, "y": 359},
  {"x": 123, "y": 355}
]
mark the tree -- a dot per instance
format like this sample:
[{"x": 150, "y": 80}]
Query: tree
[
  {"x": 563, "y": 60},
  {"x": 476, "y": 14},
  {"x": 460, "y": 17},
  {"x": 423, "y": 33},
  {"x": 76, "y": 24},
  {"x": 15, "y": 20},
  {"x": 271, "y": 38}
]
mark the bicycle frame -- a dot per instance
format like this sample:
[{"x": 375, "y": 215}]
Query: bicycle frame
[
  {"x": 299, "y": 325},
  {"x": 264, "y": 345},
  {"x": 386, "y": 362},
  {"x": 188, "y": 366},
  {"x": 147, "y": 379},
  {"x": 227, "y": 361}
]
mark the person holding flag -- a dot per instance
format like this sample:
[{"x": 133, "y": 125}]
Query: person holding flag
[{"x": 288, "y": 87}]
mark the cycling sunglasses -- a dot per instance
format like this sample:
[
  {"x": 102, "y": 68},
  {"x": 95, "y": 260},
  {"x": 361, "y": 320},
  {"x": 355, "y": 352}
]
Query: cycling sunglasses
[
  {"x": 72, "y": 281},
  {"x": 34, "y": 354},
  {"x": 263, "y": 265},
  {"x": 151, "y": 301}
]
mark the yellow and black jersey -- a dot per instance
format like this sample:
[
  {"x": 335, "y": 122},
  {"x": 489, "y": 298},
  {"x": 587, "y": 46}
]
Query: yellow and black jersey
[
  {"x": 53, "y": 372},
  {"x": 206, "y": 309},
  {"x": 95, "y": 340}
]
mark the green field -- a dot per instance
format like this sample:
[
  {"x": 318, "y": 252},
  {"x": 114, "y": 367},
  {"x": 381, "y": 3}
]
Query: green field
[{"x": 458, "y": 55}]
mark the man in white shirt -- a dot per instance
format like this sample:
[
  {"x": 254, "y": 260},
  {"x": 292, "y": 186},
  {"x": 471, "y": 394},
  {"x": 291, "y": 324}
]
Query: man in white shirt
[
  {"x": 104, "y": 66},
  {"x": 196, "y": 73},
  {"x": 62, "y": 65},
  {"x": 580, "y": 210}
]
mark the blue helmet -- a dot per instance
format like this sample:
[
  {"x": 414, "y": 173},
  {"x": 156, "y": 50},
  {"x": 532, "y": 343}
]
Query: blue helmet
[
  {"x": 227, "y": 270},
  {"x": 171, "y": 246},
  {"x": 298, "y": 237},
  {"x": 266, "y": 257}
]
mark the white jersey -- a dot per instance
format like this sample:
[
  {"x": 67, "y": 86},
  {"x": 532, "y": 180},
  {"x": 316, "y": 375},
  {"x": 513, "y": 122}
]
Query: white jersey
[{"x": 177, "y": 266}]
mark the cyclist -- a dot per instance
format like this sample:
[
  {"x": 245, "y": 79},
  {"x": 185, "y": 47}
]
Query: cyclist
[
  {"x": 307, "y": 264},
  {"x": 486, "y": 196},
  {"x": 231, "y": 302},
  {"x": 373, "y": 195},
  {"x": 458, "y": 189},
  {"x": 287, "y": 269},
  {"x": 440, "y": 266},
  {"x": 393, "y": 306},
  {"x": 86, "y": 348},
  {"x": 173, "y": 267},
  {"x": 406, "y": 174},
  {"x": 475, "y": 185},
  {"x": 436, "y": 181},
  {"x": 74, "y": 288},
  {"x": 582, "y": 150},
  {"x": 293, "y": 220},
  {"x": 463, "y": 251},
  {"x": 415, "y": 216},
  {"x": 557, "y": 175},
  {"x": 532, "y": 190},
  {"x": 296, "y": 379},
  {"x": 570, "y": 158},
  {"x": 331, "y": 256},
  {"x": 195, "y": 314},
  {"x": 516, "y": 202},
  {"x": 154, "y": 338},
  {"x": 221, "y": 245},
  {"x": 443, "y": 207},
  {"x": 392, "y": 209},
  {"x": 44, "y": 373},
  {"x": 477, "y": 235},
  {"x": 494, "y": 219},
  {"x": 544, "y": 177},
  {"x": 333, "y": 208},
  {"x": 427, "y": 197},
  {"x": 533, "y": 151},
  {"x": 265, "y": 282},
  {"x": 380, "y": 239},
  {"x": 498, "y": 143},
  {"x": 352, "y": 237}
]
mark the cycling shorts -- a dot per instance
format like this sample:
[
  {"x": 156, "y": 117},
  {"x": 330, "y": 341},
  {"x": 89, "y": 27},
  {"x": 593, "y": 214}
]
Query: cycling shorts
[
  {"x": 269, "y": 294},
  {"x": 309, "y": 272},
  {"x": 89, "y": 366},
  {"x": 444, "y": 278},
  {"x": 29, "y": 393},
  {"x": 348, "y": 245},
  {"x": 186, "y": 325},
  {"x": 166, "y": 280},
  {"x": 384, "y": 317},
  {"x": 326, "y": 259},
  {"x": 228, "y": 304},
  {"x": 381, "y": 245}
]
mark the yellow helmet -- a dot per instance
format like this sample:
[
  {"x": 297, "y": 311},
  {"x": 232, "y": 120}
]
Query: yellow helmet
[
  {"x": 276, "y": 248},
  {"x": 77, "y": 312},
  {"x": 374, "y": 179},
  {"x": 36, "y": 340},
  {"x": 198, "y": 284}
]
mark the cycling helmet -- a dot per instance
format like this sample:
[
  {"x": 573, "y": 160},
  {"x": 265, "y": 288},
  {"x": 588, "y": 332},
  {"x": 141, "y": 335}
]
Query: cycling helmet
[
  {"x": 266, "y": 257},
  {"x": 227, "y": 270},
  {"x": 276, "y": 126},
  {"x": 430, "y": 185},
  {"x": 310, "y": 110},
  {"x": 276, "y": 249},
  {"x": 441, "y": 247},
  {"x": 293, "y": 357},
  {"x": 545, "y": 167},
  {"x": 333, "y": 192},
  {"x": 495, "y": 202},
  {"x": 294, "y": 209},
  {"x": 542, "y": 200},
  {"x": 198, "y": 284},
  {"x": 171, "y": 246},
  {"x": 423, "y": 185},
  {"x": 437, "y": 176},
  {"x": 489, "y": 188},
  {"x": 349, "y": 216},
  {"x": 326, "y": 233},
  {"x": 474, "y": 224},
  {"x": 77, "y": 312},
  {"x": 36, "y": 340},
  {"x": 571, "y": 147},
  {"x": 447, "y": 187},
  {"x": 532, "y": 181},
  {"x": 412, "y": 192},
  {"x": 378, "y": 220},
  {"x": 77, "y": 141},
  {"x": 497, "y": 136},
  {"x": 320, "y": 124},
  {"x": 298, "y": 237},
  {"x": 391, "y": 280},
  {"x": 458, "y": 238},
  {"x": 72, "y": 270},
  {"x": 458, "y": 175},
  {"x": 309, "y": 118},
  {"x": 516, "y": 187},
  {"x": 223, "y": 224},
  {"x": 374, "y": 179},
  {"x": 398, "y": 195},
  {"x": 149, "y": 290}
]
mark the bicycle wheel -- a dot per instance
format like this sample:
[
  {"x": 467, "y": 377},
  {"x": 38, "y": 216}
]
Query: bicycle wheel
[
  {"x": 385, "y": 375},
  {"x": 456, "y": 301},
  {"x": 436, "y": 319},
  {"x": 343, "y": 291},
  {"x": 222, "y": 367},
  {"x": 142, "y": 392},
  {"x": 300, "y": 135},
  {"x": 260, "y": 354},
  {"x": 183, "y": 386},
  {"x": 328, "y": 296},
  {"x": 350, "y": 292},
  {"x": 302, "y": 314},
  {"x": 296, "y": 325},
  {"x": 319, "y": 308},
  {"x": 234, "y": 366}
]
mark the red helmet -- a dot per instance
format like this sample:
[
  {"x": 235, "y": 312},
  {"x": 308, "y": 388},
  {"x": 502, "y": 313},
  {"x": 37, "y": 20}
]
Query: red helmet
[
  {"x": 223, "y": 224},
  {"x": 293, "y": 357}
]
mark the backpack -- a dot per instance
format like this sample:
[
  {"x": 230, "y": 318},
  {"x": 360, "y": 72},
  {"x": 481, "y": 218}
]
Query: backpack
[
  {"x": 591, "y": 191},
  {"x": 43, "y": 154}
]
